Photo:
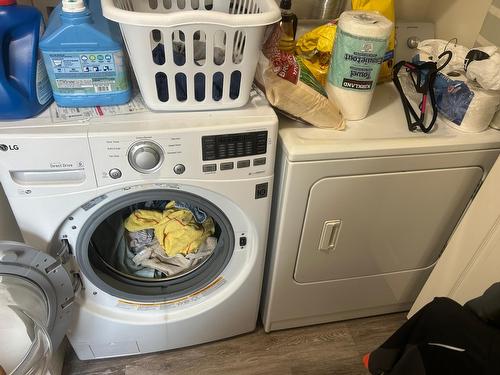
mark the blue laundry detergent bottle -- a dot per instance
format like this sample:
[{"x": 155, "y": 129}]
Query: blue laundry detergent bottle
[
  {"x": 24, "y": 85},
  {"x": 83, "y": 54}
]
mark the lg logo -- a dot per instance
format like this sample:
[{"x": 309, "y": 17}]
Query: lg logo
[{"x": 9, "y": 147}]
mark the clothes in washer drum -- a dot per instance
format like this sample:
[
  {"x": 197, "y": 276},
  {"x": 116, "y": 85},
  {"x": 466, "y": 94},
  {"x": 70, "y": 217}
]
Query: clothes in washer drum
[
  {"x": 138, "y": 253},
  {"x": 176, "y": 229},
  {"x": 110, "y": 243},
  {"x": 141, "y": 238},
  {"x": 153, "y": 256}
]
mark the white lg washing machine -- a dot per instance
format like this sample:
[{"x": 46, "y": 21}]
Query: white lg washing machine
[
  {"x": 67, "y": 182},
  {"x": 360, "y": 217}
]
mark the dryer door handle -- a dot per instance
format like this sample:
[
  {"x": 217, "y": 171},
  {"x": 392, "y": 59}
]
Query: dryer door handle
[{"x": 330, "y": 235}]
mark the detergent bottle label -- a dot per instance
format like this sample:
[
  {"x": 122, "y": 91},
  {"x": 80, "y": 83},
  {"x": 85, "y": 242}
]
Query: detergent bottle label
[
  {"x": 43, "y": 90},
  {"x": 356, "y": 61},
  {"x": 84, "y": 73}
]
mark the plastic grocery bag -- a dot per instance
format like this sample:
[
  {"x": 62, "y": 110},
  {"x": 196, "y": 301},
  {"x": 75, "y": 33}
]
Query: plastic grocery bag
[
  {"x": 291, "y": 87},
  {"x": 315, "y": 49}
]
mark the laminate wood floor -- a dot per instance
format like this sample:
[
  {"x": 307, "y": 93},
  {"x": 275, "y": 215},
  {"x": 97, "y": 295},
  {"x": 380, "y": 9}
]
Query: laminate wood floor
[{"x": 333, "y": 349}]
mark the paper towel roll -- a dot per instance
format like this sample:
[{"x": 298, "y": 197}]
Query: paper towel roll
[
  {"x": 480, "y": 110},
  {"x": 359, "y": 49}
]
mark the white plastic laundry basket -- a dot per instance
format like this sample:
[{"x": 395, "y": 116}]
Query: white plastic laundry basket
[{"x": 191, "y": 55}]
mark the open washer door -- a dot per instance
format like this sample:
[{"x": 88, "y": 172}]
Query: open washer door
[{"x": 36, "y": 303}]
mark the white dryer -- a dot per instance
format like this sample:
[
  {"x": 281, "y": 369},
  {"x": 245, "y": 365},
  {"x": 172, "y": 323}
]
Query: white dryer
[
  {"x": 360, "y": 217},
  {"x": 65, "y": 181}
]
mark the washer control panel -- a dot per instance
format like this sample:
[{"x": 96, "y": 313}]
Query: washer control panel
[{"x": 213, "y": 154}]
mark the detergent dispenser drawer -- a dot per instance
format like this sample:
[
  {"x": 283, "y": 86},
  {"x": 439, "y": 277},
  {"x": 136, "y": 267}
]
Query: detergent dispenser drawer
[{"x": 365, "y": 225}]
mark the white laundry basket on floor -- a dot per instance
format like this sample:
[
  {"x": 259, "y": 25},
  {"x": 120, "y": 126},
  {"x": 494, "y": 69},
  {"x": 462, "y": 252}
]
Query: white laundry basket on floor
[{"x": 191, "y": 55}]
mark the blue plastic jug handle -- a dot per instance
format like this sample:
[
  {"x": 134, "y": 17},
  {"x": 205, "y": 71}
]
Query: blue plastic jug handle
[{"x": 3, "y": 76}]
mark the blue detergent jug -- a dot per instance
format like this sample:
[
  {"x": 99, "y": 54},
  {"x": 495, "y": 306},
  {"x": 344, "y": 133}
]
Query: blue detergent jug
[
  {"x": 24, "y": 85},
  {"x": 83, "y": 54}
]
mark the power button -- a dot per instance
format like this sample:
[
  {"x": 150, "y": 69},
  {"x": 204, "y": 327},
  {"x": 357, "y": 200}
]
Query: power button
[
  {"x": 115, "y": 173},
  {"x": 179, "y": 169}
]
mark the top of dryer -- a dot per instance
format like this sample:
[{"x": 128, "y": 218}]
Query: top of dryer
[{"x": 383, "y": 133}]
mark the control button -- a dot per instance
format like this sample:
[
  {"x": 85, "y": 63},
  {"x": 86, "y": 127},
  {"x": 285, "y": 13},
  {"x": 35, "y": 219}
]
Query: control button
[
  {"x": 115, "y": 173},
  {"x": 243, "y": 164},
  {"x": 243, "y": 241},
  {"x": 226, "y": 166},
  {"x": 145, "y": 156},
  {"x": 209, "y": 167},
  {"x": 179, "y": 169},
  {"x": 259, "y": 161}
]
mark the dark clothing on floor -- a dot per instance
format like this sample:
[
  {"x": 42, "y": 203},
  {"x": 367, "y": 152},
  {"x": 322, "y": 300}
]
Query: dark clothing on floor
[
  {"x": 442, "y": 338},
  {"x": 487, "y": 306}
]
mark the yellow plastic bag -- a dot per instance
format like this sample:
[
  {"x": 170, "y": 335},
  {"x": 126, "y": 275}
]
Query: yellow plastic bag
[
  {"x": 385, "y": 7},
  {"x": 315, "y": 49}
]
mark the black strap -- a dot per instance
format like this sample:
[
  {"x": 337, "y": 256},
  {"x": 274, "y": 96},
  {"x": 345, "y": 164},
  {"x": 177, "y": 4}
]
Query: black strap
[{"x": 423, "y": 76}]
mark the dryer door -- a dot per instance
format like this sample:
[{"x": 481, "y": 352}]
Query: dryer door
[
  {"x": 36, "y": 303},
  {"x": 368, "y": 225}
]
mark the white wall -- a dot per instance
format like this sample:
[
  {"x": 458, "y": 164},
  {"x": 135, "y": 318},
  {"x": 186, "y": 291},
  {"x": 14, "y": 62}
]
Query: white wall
[
  {"x": 413, "y": 10},
  {"x": 8, "y": 226},
  {"x": 460, "y": 19}
]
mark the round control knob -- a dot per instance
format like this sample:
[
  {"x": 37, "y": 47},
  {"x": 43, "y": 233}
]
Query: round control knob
[
  {"x": 179, "y": 169},
  {"x": 145, "y": 156}
]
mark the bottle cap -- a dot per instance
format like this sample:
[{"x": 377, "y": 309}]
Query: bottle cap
[
  {"x": 7, "y": 2},
  {"x": 73, "y": 6},
  {"x": 286, "y": 4}
]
